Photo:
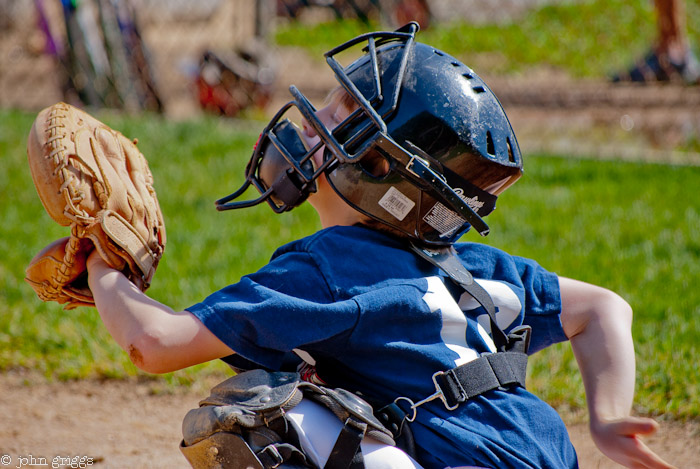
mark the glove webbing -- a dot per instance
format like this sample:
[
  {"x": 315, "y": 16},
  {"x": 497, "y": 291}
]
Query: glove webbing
[{"x": 71, "y": 249}]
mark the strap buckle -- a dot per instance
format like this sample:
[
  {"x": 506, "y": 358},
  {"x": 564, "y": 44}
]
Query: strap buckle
[
  {"x": 275, "y": 457},
  {"x": 438, "y": 394},
  {"x": 424, "y": 165}
]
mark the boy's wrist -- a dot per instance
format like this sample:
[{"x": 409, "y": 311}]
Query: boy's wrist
[
  {"x": 97, "y": 266},
  {"x": 95, "y": 261}
]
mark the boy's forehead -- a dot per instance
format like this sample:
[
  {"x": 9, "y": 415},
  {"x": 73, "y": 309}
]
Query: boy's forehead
[
  {"x": 334, "y": 95},
  {"x": 338, "y": 95}
]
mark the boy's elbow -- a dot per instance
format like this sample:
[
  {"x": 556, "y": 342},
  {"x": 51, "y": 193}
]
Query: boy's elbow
[
  {"x": 585, "y": 304},
  {"x": 614, "y": 302},
  {"x": 148, "y": 353},
  {"x": 611, "y": 312}
]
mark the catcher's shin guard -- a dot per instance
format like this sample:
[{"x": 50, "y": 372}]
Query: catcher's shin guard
[{"x": 245, "y": 423}]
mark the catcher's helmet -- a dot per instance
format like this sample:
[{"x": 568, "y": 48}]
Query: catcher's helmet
[{"x": 449, "y": 145}]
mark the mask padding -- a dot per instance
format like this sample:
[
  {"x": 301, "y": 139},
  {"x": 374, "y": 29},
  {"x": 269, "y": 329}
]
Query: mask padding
[
  {"x": 277, "y": 173},
  {"x": 288, "y": 134}
]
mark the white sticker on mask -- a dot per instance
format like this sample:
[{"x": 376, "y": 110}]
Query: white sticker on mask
[
  {"x": 447, "y": 221},
  {"x": 396, "y": 203},
  {"x": 444, "y": 220}
]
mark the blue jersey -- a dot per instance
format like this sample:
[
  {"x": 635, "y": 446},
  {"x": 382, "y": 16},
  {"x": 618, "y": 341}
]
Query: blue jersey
[{"x": 361, "y": 300}]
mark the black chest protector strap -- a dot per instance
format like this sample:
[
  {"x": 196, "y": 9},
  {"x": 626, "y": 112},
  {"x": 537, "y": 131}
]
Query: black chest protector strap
[
  {"x": 490, "y": 371},
  {"x": 446, "y": 260}
]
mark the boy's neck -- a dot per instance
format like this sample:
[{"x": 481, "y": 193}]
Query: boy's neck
[
  {"x": 331, "y": 208},
  {"x": 343, "y": 215}
]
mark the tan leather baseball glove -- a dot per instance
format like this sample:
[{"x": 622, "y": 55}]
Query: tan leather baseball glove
[{"x": 94, "y": 180}]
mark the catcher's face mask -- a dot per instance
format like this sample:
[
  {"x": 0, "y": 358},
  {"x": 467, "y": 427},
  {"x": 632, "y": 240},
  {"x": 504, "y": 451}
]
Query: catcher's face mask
[{"x": 429, "y": 119}]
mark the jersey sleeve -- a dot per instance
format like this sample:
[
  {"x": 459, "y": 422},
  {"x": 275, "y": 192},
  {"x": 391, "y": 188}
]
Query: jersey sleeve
[
  {"x": 285, "y": 305},
  {"x": 542, "y": 304}
]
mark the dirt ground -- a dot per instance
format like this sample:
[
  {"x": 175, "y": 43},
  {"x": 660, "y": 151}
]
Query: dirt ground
[{"x": 129, "y": 424}]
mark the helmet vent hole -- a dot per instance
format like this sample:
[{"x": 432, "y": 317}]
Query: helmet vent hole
[
  {"x": 478, "y": 89},
  {"x": 490, "y": 147},
  {"x": 437, "y": 52},
  {"x": 468, "y": 76},
  {"x": 455, "y": 64},
  {"x": 511, "y": 156}
]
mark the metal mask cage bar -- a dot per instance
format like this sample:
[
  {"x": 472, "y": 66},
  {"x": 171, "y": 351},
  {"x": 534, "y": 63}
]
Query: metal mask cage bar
[
  {"x": 308, "y": 111},
  {"x": 405, "y": 35},
  {"x": 410, "y": 164},
  {"x": 414, "y": 167}
]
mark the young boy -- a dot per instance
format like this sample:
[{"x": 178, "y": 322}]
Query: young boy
[{"x": 409, "y": 153}]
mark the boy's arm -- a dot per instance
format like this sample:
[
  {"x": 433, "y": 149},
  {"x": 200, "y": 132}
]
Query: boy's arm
[
  {"x": 157, "y": 338},
  {"x": 598, "y": 325}
]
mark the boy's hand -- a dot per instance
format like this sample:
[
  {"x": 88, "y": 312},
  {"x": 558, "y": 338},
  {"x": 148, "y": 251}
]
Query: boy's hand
[{"x": 620, "y": 441}]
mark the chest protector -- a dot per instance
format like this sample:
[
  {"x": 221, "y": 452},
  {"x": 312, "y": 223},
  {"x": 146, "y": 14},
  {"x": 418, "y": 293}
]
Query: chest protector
[{"x": 243, "y": 424}]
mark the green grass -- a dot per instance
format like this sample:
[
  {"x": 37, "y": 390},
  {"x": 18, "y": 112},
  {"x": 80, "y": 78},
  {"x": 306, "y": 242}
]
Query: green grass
[
  {"x": 630, "y": 227},
  {"x": 194, "y": 163},
  {"x": 586, "y": 39}
]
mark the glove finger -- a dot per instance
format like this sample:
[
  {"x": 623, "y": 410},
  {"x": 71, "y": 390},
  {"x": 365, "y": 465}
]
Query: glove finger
[
  {"x": 58, "y": 272},
  {"x": 135, "y": 173},
  {"x": 142, "y": 179},
  {"x": 52, "y": 156},
  {"x": 105, "y": 148}
]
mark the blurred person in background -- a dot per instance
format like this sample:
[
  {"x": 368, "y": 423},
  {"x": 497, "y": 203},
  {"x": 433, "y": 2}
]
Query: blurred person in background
[{"x": 671, "y": 58}]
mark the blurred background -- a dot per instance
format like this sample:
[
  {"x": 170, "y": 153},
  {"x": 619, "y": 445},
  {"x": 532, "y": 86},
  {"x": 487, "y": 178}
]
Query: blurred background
[
  {"x": 195, "y": 81},
  {"x": 550, "y": 62}
]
